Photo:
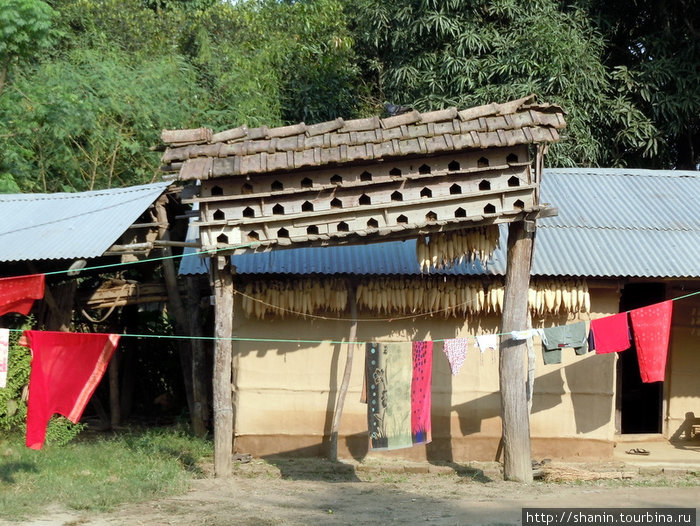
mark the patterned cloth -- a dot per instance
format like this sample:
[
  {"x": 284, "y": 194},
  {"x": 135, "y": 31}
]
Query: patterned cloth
[
  {"x": 456, "y": 351},
  {"x": 389, "y": 370},
  {"x": 4, "y": 354},
  {"x": 17, "y": 294},
  {"x": 652, "y": 328},
  {"x": 421, "y": 429},
  {"x": 610, "y": 334},
  {"x": 66, "y": 368}
]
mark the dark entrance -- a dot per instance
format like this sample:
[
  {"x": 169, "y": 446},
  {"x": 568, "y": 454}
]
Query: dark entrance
[{"x": 638, "y": 405}]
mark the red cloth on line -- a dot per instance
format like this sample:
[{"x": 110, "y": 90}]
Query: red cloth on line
[
  {"x": 421, "y": 431},
  {"x": 66, "y": 368},
  {"x": 652, "y": 328},
  {"x": 17, "y": 294},
  {"x": 610, "y": 334}
]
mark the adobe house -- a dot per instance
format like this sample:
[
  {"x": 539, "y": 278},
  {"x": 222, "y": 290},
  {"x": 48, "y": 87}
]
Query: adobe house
[{"x": 624, "y": 258}]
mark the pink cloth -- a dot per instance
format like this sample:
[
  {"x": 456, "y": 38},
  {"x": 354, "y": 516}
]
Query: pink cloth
[
  {"x": 456, "y": 351},
  {"x": 17, "y": 294},
  {"x": 652, "y": 329},
  {"x": 66, "y": 368},
  {"x": 610, "y": 334},
  {"x": 4, "y": 355},
  {"x": 421, "y": 431}
]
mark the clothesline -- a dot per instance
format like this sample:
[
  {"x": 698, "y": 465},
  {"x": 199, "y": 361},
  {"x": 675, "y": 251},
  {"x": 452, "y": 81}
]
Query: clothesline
[{"x": 332, "y": 342}]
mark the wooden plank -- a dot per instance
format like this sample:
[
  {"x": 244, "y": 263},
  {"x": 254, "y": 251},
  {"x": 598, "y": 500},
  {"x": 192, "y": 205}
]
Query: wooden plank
[
  {"x": 512, "y": 358},
  {"x": 221, "y": 381}
]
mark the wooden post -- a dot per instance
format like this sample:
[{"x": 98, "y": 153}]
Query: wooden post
[
  {"x": 343, "y": 391},
  {"x": 517, "y": 462},
  {"x": 200, "y": 416},
  {"x": 222, "y": 399}
]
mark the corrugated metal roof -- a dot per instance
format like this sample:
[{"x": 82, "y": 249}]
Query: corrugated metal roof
[
  {"x": 69, "y": 225},
  {"x": 611, "y": 222}
]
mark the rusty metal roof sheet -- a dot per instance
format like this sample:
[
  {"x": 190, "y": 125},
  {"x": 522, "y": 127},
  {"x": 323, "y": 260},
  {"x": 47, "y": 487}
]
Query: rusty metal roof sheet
[
  {"x": 69, "y": 225},
  {"x": 201, "y": 154}
]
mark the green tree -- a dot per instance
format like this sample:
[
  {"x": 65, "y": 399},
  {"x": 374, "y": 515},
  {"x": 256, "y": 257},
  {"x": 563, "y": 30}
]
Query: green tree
[
  {"x": 25, "y": 30},
  {"x": 653, "y": 51},
  {"x": 431, "y": 54}
]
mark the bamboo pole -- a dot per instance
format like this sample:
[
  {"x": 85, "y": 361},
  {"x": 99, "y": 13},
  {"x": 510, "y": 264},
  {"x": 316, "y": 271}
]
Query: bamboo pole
[
  {"x": 343, "y": 391},
  {"x": 222, "y": 398},
  {"x": 517, "y": 461}
]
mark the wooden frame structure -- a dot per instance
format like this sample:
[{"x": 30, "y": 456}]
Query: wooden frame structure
[{"x": 370, "y": 180}]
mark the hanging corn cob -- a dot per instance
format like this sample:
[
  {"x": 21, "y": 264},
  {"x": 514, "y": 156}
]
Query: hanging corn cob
[{"x": 443, "y": 249}]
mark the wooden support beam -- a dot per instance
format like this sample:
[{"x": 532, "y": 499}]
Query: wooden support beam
[
  {"x": 200, "y": 416},
  {"x": 343, "y": 391},
  {"x": 222, "y": 399},
  {"x": 517, "y": 462}
]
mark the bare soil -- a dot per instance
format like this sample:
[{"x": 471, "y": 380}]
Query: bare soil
[{"x": 313, "y": 491}]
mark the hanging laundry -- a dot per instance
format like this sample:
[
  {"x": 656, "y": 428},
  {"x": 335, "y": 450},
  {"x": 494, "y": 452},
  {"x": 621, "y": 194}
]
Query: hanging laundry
[
  {"x": 609, "y": 334},
  {"x": 456, "y": 351},
  {"x": 651, "y": 327},
  {"x": 487, "y": 341},
  {"x": 527, "y": 333},
  {"x": 4, "y": 356},
  {"x": 389, "y": 369},
  {"x": 17, "y": 294},
  {"x": 421, "y": 429},
  {"x": 66, "y": 368},
  {"x": 557, "y": 338}
]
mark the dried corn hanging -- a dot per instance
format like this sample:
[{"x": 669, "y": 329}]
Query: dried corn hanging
[{"x": 444, "y": 249}]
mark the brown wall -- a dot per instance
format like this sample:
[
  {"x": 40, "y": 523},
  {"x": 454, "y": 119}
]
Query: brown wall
[{"x": 285, "y": 392}]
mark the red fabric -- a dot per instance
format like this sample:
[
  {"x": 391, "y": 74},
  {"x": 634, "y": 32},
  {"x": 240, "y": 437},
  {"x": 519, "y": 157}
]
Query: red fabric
[
  {"x": 652, "y": 328},
  {"x": 611, "y": 333},
  {"x": 420, "y": 392},
  {"x": 66, "y": 368},
  {"x": 17, "y": 294}
]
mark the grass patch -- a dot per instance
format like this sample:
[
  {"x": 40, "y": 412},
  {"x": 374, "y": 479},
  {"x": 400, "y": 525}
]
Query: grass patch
[{"x": 98, "y": 473}]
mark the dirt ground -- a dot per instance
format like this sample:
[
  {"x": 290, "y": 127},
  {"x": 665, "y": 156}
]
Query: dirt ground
[{"x": 316, "y": 492}]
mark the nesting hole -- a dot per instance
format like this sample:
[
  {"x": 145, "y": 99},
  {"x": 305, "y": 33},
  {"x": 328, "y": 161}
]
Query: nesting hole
[
  {"x": 365, "y": 176},
  {"x": 372, "y": 223},
  {"x": 460, "y": 212},
  {"x": 514, "y": 181},
  {"x": 306, "y": 183},
  {"x": 336, "y": 203},
  {"x": 283, "y": 232},
  {"x": 402, "y": 219},
  {"x": 431, "y": 216},
  {"x": 453, "y": 166},
  {"x": 512, "y": 158},
  {"x": 248, "y": 212},
  {"x": 278, "y": 209},
  {"x": 246, "y": 188},
  {"x": 519, "y": 204},
  {"x": 482, "y": 162},
  {"x": 222, "y": 238},
  {"x": 307, "y": 206},
  {"x": 217, "y": 190},
  {"x": 484, "y": 185},
  {"x": 219, "y": 214},
  {"x": 276, "y": 186},
  {"x": 424, "y": 169},
  {"x": 365, "y": 199},
  {"x": 426, "y": 192},
  {"x": 343, "y": 227},
  {"x": 455, "y": 189},
  {"x": 397, "y": 196},
  {"x": 395, "y": 172},
  {"x": 253, "y": 236},
  {"x": 489, "y": 209},
  {"x": 336, "y": 179},
  {"x": 312, "y": 230}
]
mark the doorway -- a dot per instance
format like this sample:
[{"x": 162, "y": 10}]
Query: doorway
[{"x": 638, "y": 406}]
